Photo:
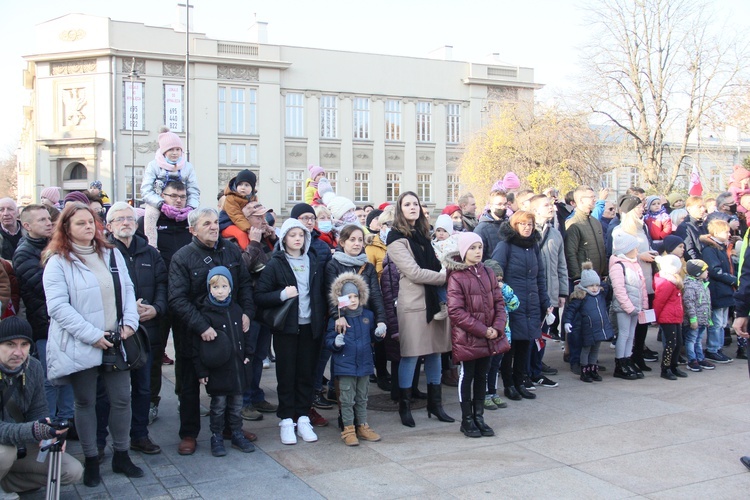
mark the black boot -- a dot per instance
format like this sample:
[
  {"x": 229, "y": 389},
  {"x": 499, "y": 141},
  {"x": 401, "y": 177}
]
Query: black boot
[
  {"x": 636, "y": 368},
  {"x": 623, "y": 369},
  {"x": 404, "y": 408},
  {"x": 435, "y": 403},
  {"x": 512, "y": 394},
  {"x": 468, "y": 426},
  {"x": 524, "y": 392},
  {"x": 91, "y": 477},
  {"x": 121, "y": 463},
  {"x": 586, "y": 374},
  {"x": 667, "y": 374},
  {"x": 394, "y": 383},
  {"x": 741, "y": 353},
  {"x": 485, "y": 429}
]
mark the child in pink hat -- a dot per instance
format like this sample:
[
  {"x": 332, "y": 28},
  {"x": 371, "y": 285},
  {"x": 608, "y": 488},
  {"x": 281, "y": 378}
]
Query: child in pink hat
[{"x": 168, "y": 165}]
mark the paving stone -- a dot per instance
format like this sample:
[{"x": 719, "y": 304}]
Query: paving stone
[
  {"x": 173, "y": 481},
  {"x": 152, "y": 490},
  {"x": 183, "y": 492}
]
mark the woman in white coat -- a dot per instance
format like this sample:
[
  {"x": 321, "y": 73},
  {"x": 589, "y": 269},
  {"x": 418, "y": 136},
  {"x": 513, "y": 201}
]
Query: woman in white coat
[{"x": 79, "y": 288}]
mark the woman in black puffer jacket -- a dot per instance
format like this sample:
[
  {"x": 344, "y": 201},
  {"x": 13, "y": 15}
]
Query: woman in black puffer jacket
[{"x": 519, "y": 256}]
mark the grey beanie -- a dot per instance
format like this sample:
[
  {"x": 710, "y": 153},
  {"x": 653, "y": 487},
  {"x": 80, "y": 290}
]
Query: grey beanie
[
  {"x": 622, "y": 243},
  {"x": 589, "y": 276},
  {"x": 349, "y": 288}
]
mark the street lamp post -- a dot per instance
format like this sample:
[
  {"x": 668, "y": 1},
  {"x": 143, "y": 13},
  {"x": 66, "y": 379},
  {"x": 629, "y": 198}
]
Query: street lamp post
[{"x": 133, "y": 108}]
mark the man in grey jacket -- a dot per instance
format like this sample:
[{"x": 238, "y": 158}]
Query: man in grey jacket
[
  {"x": 552, "y": 250},
  {"x": 23, "y": 422}
]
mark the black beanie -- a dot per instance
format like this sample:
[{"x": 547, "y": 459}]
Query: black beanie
[
  {"x": 13, "y": 327},
  {"x": 246, "y": 176},
  {"x": 372, "y": 215},
  {"x": 299, "y": 209},
  {"x": 626, "y": 203}
]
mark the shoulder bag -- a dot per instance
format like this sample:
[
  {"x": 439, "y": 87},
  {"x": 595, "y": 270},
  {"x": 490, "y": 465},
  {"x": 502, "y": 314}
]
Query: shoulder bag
[{"x": 133, "y": 351}]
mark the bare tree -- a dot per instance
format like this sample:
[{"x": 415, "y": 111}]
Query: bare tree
[
  {"x": 9, "y": 176},
  {"x": 658, "y": 70},
  {"x": 549, "y": 148}
]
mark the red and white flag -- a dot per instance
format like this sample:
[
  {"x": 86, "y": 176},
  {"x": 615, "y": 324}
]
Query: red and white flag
[{"x": 696, "y": 188}]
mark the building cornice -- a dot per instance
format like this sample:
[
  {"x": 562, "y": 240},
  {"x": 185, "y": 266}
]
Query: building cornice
[
  {"x": 155, "y": 56},
  {"x": 506, "y": 83}
]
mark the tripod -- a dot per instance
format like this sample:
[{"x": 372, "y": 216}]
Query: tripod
[{"x": 55, "y": 467}]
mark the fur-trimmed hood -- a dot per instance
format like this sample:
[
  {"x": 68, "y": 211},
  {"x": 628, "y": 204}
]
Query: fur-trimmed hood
[
  {"x": 338, "y": 285},
  {"x": 452, "y": 262}
]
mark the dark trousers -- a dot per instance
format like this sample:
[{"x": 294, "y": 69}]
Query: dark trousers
[
  {"x": 672, "y": 337},
  {"x": 225, "y": 409},
  {"x": 513, "y": 365},
  {"x": 639, "y": 339},
  {"x": 473, "y": 375},
  {"x": 535, "y": 358},
  {"x": 157, "y": 349},
  {"x": 296, "y": 358},
  {"x": 140, "y": 397},
  {"x": 262, "y": 336},
  {"x": 381, "y": 362},
  {"x": 492, "y": 372}
]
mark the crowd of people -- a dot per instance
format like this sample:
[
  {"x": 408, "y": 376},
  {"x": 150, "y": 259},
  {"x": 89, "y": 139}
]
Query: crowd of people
[{"x": 469, "y": 299}]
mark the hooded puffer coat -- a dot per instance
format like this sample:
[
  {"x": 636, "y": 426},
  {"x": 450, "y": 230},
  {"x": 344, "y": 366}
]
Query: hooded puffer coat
[{"x": 475, "y": 302}]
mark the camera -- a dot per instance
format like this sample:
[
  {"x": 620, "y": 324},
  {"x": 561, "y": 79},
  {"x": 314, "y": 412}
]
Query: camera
[
  {"x": 59, "y": 424},
  {"x": 109, "y": 357}
]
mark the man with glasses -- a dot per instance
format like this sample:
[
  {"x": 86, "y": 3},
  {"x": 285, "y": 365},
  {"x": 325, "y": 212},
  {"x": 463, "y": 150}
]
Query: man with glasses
[
  {"x": 255, "y": 257},
  {"x": 149, "y": 274},
  {"x": 491, "y": 220},
  {"x": 174, "y": 233}
]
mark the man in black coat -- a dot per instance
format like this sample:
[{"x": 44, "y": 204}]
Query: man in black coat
[
  {"x": 187, "y": 289},
  {"x": 490, "y": 221},
  {"x": 35, "y": 219},
  {"x": 173, "y": 234},
  {"x": 149, "y": 274}
]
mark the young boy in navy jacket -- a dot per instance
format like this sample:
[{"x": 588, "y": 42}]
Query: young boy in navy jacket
[{"x": 352, "y": 355}]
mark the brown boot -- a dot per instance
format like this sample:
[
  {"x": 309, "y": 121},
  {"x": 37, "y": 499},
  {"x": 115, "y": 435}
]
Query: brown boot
[
  {"x": 349, "y": 436},
  {"x": 366, "y": 434}
]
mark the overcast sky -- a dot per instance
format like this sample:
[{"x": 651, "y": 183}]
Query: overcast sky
[{"x": 542, "y": 34}]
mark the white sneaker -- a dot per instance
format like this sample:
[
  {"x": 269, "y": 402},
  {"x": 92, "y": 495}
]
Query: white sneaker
[
  {"x": 266, "y": 364},
  {"x": 305, "y": 430},
  {"x": 287, "y": 431}
]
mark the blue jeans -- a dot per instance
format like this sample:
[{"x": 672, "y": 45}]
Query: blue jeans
[
  {"x": 59, "y": 397},
  {"x": 442, "y": 293},
  {"x": 140, "y": 400},
  {"x": 693, "y": 347},
  {"x": 432, "y": 369},
  {"x": 254, "y": 394},
  {"x": 715, "y": 338}
]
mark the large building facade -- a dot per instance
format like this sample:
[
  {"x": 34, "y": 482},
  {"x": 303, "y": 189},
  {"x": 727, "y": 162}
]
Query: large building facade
[{"x": 378, "y": 124}]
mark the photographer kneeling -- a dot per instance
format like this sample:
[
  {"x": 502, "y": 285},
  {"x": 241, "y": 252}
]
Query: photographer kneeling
[{"x": 23, "y": 411}]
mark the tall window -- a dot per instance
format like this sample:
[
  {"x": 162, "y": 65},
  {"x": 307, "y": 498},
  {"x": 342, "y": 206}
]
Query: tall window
[
  {"x": 295, "y": 115},
  {"x": 238, "y": 112},
  {"x": 238, "y": 154},
  {"x": 608, "y": 180},
  {"x": 392, "y": 120},
  {"x": 424, "y": 187},
  {"x": 361, "y": 118},
  {"x": 715, "y": 180},
  {"x": 453, "y": 187},
  {"x": 454, "y": 123},
  {"x": 634, "y": 177},
  {"x": 424, "y": 121},
  {"x": 129, "y": 182},
  {"x": 333, "y": 178},
  {"x": 392, "y": 186},
  {"x": 361, "y": 187},
  {"x": 328, "y": 114},
  {"x": 295, "y": 180}
]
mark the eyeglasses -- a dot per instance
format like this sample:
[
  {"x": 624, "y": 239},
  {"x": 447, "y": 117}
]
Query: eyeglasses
[
  {"x": 307, "y": 218},
  {"x": 526, "y": 224},
  {"x": 176, "y": 196},
  {"x": 124, "y": 219}
]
